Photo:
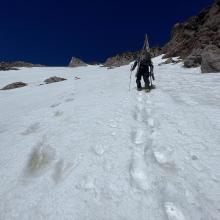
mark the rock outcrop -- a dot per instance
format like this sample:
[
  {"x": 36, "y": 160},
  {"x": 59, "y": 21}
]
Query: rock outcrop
[
  {"x": 127, "y": 57},
  {"x": 189, "y": 39},
  {"x": 194, "y": 59},
  {"x": 121, "y": 59},
  {"x": 14, "y": 85},
  {"x": 76, "y": 62},
  {"x": 25, "y": 64},
  {"x": 156, "y": 51},
  {"x": 210, "y": 59},
  {"x": 15, "y": 65},
  {"x": 53, "y": 79},
  {"x": 196, "y": 33}
]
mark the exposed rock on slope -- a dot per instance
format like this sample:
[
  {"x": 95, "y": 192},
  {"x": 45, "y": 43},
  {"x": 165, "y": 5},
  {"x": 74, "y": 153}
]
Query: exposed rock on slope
[
  {"x": 121, "y": 59},
  {"x": 17, "y": 64},
  {"x": 190, "y": 38},
  {"x": 210, "y": 59},
  {"x": 76, "y": 62},
  {"x": 6, "y": 67},
  {"x": 156, "y": 51},
  {"x": 196, "y": 33},
  {"x": 54, "y": 79},
  {"x": 14, "y": 85},
  {"x": 127, "y": 57},
  {"x": 25, "y": 64},
  {"x": 194, "y": 59}
]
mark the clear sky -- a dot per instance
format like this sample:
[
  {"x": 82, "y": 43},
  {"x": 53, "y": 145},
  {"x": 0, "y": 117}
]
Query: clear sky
[{"x": 50, "y": 32}]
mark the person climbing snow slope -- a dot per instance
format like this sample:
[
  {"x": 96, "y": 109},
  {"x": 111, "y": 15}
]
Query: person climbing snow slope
[{"x": 145, "y": 67}]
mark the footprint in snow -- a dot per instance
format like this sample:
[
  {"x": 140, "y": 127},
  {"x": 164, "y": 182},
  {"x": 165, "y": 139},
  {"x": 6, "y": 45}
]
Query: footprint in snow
[
  {"x": 138, "y": 172},
  {"x": 139, "y": 107},
  {"x": 113, "y": 124},
  {"x": 99, "y": 149},
  {"x": 140, "y": 113},
  {"x": 34, "y": 127},
  {"x": 138, "y": 136},
  {"x": 165, "y": 162},
  {"x": 118, "y": 119},
  {"x": 194, "y": 157},
  {"x": 137, "y": 116},
  {"x": 107, "y": 166},
  {"x": 58, "y": 113},
  {"x": 55, "y": 105},
  {"x": 87, "y": 183},
  {"x": 149, "y": 111},
  {"x": 148, "y": 101},
  {"x": 139, "y": 98},
  {"x": 99, "y": 122},
  {"x": 62, "y": 171},
  {"x": 161, "y": 158},
  {"x": 173, "y": 213},
  {"x": 150, "y": 122},
  {"x": 69, "y": 100}
]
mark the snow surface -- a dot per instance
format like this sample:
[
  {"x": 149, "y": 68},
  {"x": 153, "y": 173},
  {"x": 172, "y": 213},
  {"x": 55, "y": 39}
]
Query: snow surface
[{"x": 89, "y": 149}]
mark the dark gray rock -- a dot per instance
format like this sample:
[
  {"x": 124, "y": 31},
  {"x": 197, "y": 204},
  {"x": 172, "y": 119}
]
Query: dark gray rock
[
  {"x": 194, "y": 59},
  {"x": 76, "y": 62},
  {"x": 156, "y": 51},
  {"x": 121, "y": 59},
  {"x": 210, "y": 59},
  {"x": 54, "y": 79},
  {"x": 128, "y": 57},
  {"x": 24, "y": 64},
  {"x": 7, "y": 68},
  {"x": 14, "y": 85},
  {"x": 4, "y": 66}
]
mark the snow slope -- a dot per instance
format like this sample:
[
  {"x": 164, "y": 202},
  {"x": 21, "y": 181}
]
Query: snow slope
[{"x": 89, "y": 149}]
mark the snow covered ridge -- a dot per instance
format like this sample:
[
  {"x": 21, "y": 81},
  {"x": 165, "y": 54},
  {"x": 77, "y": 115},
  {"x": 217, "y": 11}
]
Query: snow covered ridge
[{"x": 90, "y": 149}]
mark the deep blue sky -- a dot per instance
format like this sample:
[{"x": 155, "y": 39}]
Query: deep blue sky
[{"x": 52, "y": 31}]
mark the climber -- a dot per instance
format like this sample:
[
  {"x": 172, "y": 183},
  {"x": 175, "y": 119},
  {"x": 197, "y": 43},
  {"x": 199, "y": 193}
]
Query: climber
[{"x": 145, "y": 70}]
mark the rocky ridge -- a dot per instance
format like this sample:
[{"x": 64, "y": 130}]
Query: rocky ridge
[
  {"x": 16, "y": 64},
  {"x": 197, "y": 39},
  {"x": 127, "y": 57},
  {"x": 76, "y": 62}
]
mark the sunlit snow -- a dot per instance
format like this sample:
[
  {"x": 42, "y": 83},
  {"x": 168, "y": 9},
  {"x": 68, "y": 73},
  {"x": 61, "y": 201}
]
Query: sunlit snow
[{"x": 88, "y": 149}]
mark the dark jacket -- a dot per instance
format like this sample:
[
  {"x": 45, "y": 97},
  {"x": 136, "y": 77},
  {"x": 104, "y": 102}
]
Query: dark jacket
[{"x": 144, "y": 62}]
